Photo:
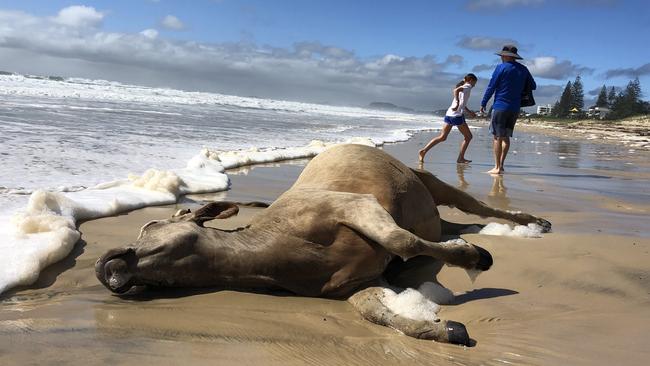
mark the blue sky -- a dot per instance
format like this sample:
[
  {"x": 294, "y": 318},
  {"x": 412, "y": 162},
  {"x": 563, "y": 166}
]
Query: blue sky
[{"x": 344, "y": 52}]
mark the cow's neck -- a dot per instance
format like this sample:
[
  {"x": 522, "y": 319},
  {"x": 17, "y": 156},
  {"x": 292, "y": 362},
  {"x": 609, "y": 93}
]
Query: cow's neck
[{"x": 242, "y": 257}]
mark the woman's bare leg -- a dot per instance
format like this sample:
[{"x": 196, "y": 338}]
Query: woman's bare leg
[
  {"x": 442, "y": 137},
  {"x": 467, "y": 134}
]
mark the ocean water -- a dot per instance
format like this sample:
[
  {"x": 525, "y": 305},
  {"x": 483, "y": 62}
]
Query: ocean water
[{"x": 80, "y": 149}]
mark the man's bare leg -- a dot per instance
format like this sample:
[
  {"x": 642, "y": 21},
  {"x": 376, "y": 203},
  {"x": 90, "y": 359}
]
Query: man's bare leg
[
  {"x": 505, "y": 146},
  {"x": 497, "y": 148}
]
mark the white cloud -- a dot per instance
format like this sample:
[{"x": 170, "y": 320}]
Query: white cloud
[
  {"x": 628, "y": 72},
  {"x": 476, "y": 5},
  {"x": 484, "y": 43},
  {"x": 483, "y": 67},
  {"x": 150, "y": 33},
  {"x": 306, "y": 71},
  {"x": 79, "y": 16},
  {"x": 455, "y": 60},
  {"x": 550, "y": 68},
  {"x": 171, "y": 22}
]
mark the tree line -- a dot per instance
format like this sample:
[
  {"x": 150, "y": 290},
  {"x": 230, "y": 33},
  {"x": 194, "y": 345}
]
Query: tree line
[{"x": 627, "y": 102}]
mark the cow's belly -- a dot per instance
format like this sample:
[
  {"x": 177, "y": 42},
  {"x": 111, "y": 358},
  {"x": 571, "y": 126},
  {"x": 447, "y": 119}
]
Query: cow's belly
[
  {"x": 357, "y": 261},
  {"x": 329, "y": 269}
]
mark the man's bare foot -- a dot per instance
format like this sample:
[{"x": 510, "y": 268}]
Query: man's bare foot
[
  {"x": 495, "y": 171},
  {"x": 463, "y": 161},
  {"x": 421, "y": 154}
]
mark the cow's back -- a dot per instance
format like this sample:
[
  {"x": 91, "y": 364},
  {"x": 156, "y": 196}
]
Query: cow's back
[{"x": 368, "y": 170}]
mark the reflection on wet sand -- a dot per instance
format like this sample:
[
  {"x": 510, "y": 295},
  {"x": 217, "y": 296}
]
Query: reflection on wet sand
[
  {"x": 497, "y": 197},
  {"x": 568, "y": 153},
  {"x": 460, "y": 170}
]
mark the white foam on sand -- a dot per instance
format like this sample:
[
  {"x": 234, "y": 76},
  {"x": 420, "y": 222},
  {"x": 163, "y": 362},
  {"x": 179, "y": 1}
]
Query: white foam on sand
[
  {"x": 45, "y": 231},
  {"x": 421, "y": 304},
  {"x": 529, "y": 231}
]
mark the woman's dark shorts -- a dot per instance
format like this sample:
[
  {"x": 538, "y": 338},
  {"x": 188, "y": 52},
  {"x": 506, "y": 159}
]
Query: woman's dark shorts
[
  {"x": 503, "y": 123},
  {"x": 455, "y": 121}
]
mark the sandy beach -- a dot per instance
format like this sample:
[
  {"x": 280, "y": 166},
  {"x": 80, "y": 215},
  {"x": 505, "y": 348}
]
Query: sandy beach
[
  {"x": 577, "y": 296},
  {"x": 633, "y": 132}
]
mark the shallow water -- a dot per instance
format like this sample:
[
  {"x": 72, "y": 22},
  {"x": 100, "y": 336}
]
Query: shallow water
[{"x": 536, "y": 175}]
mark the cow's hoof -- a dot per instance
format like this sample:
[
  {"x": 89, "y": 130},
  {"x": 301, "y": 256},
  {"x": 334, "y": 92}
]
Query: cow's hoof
[
  {"x": 457, "y": 333},
  {"x": 545, "y": 224},
  {"x": 485, "y": 259}
]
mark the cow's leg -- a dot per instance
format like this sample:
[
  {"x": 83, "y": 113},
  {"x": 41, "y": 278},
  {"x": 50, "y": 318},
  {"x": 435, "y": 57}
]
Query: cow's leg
[
  {"x": 368, "y": 303},
  {"x": 253, "y": 204},
  {"x": 363, "y": 213},
  {"x": 454, "y": 229},
  {"x": 446, "y": 195}
]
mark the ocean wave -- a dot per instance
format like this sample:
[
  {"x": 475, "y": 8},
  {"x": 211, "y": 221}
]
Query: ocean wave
[{"x": 103, "y": 90}]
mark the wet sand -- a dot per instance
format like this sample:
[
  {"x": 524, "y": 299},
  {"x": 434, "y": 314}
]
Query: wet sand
[
  {"x": 633, "y": 132},
  {"x": 577, "y": 296}
]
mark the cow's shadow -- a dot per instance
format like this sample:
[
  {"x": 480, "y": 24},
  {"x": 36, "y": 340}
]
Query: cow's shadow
[{"x": 482, "y": 293}]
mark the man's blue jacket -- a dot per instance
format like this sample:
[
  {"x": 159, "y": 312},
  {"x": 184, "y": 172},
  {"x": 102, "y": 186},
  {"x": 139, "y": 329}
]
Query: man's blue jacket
[{"x": 507, "y": 84}]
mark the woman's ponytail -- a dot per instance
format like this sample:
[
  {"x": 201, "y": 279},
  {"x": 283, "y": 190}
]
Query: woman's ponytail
[{"x": 469, "y": 77}]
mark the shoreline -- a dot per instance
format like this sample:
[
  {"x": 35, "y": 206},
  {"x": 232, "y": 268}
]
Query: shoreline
[{"x": 577, "y": 295}]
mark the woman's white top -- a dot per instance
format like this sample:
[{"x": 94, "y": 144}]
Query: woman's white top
[{"x": 463, "y": 98}]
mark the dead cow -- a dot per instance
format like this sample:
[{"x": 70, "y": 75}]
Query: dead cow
[{"x": 333, "y": 234}]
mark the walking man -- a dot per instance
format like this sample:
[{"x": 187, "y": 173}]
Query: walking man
[{"x": 507, "y": 84}]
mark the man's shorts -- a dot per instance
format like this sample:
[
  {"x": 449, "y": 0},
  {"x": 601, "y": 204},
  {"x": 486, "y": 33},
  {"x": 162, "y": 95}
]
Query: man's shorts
[
  {"x": 455, "y": 121},
  {"x": 503, "y": 123}
]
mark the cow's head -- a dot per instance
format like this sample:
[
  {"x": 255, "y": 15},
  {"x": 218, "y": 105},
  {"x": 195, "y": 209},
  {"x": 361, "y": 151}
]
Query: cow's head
[{"x": 166, "y": 253}]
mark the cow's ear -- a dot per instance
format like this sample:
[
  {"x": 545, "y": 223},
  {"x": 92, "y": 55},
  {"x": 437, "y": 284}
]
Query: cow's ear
[
  {"x": 215, "y": 210},
  {"x": 181, "y": 212}
]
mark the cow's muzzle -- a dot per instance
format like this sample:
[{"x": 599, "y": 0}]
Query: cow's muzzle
[{"x": 115, "y": 269}]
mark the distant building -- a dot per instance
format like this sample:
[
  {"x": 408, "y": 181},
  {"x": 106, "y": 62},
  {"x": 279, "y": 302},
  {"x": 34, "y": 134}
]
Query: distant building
[
  {"x": 544, "y": 110},
  {"x": 597, "y": 112},
  {"x": 575, "y": 113}
]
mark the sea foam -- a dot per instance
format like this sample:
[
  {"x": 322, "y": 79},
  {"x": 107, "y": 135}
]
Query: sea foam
[
  {"x": 531, "y": 230},
  {"x": 421, "y": 304}
]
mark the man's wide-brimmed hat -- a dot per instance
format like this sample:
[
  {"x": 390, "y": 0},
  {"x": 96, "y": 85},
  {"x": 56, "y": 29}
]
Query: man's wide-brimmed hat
[{"x": 509, "y": 50}]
